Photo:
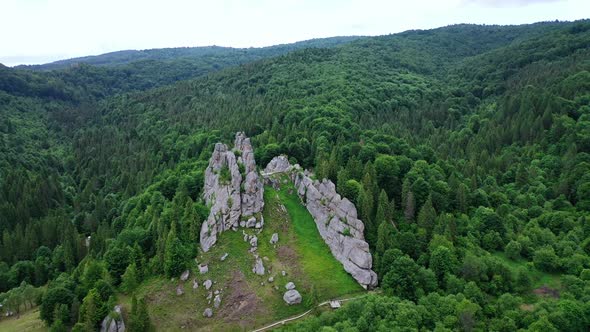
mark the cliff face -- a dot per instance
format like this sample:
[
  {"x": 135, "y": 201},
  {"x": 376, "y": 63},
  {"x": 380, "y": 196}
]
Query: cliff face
[
  {"x": 232, "y": 189},
  {"x": 335, "y": 218}
]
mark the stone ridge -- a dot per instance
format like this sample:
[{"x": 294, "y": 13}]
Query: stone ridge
[
  {"x": 335, "y": 218},
  {"x": 233, "y": 190}
]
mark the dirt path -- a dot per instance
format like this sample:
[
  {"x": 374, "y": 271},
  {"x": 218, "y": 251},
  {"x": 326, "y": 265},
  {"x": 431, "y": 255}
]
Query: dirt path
[{"x": 290, "y": 319}]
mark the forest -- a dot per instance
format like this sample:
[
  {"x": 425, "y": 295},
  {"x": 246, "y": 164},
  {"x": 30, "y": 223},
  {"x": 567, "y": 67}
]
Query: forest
[{"x": 466, "y": 150}]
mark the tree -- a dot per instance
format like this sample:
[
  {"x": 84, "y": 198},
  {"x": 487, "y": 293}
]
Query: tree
[
  {"x": 139, "y": 320},
  {"x": 427, "y": 216},
  {"x": 175, "y": 254},
  {"x": 545, "y": 259},
  {"x": 93, "y": 310},
  {"x": 513, "y": 249},
  {"x": 58, "y": 326},
  {"x": 410, "y": 206},
  {"x": 129, "y": 280},
  {"x": 442, "y": 261},
  {"x": 380, "y": 217},
  {"x": 52, "y": 298},
  {"x": 401, "y": 280},
  {"x": 117, "y": 259}
]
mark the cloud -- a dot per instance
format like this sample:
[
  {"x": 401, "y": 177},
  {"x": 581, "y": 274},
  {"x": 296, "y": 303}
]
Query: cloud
[{"x": 508, "y": 3}]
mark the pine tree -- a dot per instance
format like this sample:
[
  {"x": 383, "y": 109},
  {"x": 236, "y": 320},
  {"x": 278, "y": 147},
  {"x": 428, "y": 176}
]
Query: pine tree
[
  {"x": 92, "y": 311},
  {"x": 410, "y": 209},
  {"x": 427, "y": 216},
  {"x": 384, "y": 237},
  {"x": 380, "y": 216},
  {"x": 174, "y": 260},
  {"x": 139, "y": 319},
  {"x": 129, "y": 279}
]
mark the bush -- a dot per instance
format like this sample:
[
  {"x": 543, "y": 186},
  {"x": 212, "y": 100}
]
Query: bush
[{"x": 513, "y": 249}]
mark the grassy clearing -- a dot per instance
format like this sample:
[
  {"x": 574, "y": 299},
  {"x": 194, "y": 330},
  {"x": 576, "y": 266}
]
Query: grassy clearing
[
  {"x": 27, "y": 321},
  {"x": 250, "y": 300},
  {"x": 539, "y": 278},
  {"x": 325, "y": 272}
]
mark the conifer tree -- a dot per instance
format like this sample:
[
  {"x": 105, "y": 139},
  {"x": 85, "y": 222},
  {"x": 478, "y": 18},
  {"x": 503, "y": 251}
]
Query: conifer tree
[
  {"x": 129, "y": 280},
  {"x": 427, "y": 216}
]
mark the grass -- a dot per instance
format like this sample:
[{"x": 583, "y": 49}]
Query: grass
[
  {"x": 300, "y": 252},
  {"x": 27, "y": 321},
  {"x": 539, "y": 278},
  {"x": 318, "y": 263}
]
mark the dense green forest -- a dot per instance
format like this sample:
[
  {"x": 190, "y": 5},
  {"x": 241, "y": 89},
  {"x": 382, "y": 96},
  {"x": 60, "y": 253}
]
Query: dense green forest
[{"x": 466, "y": 150}]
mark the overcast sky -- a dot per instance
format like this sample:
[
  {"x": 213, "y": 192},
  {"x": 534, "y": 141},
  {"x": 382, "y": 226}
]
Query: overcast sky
[{"x": 39, "y": 31}]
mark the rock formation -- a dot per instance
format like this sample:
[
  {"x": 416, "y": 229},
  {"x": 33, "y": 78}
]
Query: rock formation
[
  {"x": 233, "y": 189},
  {"x": 113, "y": 322},
  {"x": 335, "y": 218}
]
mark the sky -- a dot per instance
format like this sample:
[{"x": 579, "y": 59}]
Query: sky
[{"x": 41, "y": 31}]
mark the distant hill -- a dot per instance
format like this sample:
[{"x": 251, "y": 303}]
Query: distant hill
[{"x": 205, "y": 52}]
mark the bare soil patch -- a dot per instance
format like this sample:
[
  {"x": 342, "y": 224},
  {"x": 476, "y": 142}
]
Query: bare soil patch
[
  {"x": 547, "y": 291},
  {"x": 242, "y": 304}
]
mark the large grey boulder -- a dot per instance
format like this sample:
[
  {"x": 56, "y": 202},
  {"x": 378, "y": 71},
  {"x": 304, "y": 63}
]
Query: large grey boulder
[
  {"x": 279, "y": 164},
  {"x": 208, "y": 313},
  {"x": 292, "y": 296},
  {"x": 258, "y": 267},
  {"x": 335, "y": 217},
  {"x": 232, "y": 189},
  {"x": 113, "y": 322},
  {"x": 217, "y": 301}
]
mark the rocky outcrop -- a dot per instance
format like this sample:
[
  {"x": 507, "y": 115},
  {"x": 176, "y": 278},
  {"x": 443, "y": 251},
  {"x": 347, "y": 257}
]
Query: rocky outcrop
[
  {"x": 233, "y": 189},
  {"x": 113, "y": 322},
  {"x": 335, "y": 218}
]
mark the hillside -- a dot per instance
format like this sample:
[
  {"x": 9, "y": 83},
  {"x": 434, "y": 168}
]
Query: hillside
[{"x": 465, "y": 149}]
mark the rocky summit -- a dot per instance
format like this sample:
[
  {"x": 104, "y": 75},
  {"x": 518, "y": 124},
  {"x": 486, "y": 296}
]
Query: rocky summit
[
  {"x": 335, "y": 218},
  {"x": 233, "y": 189}
]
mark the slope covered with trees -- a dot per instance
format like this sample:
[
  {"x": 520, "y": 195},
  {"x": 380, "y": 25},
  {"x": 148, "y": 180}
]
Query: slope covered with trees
[{"x": 466, "y": 150}]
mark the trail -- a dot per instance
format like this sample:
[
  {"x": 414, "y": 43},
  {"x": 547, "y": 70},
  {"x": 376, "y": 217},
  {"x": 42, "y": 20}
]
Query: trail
[{"x": 286, "y": 320}]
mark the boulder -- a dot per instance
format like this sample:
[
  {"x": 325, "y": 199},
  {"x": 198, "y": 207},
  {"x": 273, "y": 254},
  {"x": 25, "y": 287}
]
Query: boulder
[
  {"x": 184, "y": 276},
  {"x": 179, "y": 290},
  {"x": 258, "y": 267},
  {"x": 113, "y": 322},
  {"x": 203, "y": 268},
  {"x": 208, "y": 313},
  {"x": 254, "y": 241},
  {"x": 278, "y": 164},
  {"x": 207, "y": 284},
  {"x": 274, "y": 238},
  {"x": 251, "y": 222},
  {"x": 290, "y": 286},
  {"x": 217, "y": 301},
  {"x": 195, "y": 284},
  {"x": 292, "y": 296}
]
